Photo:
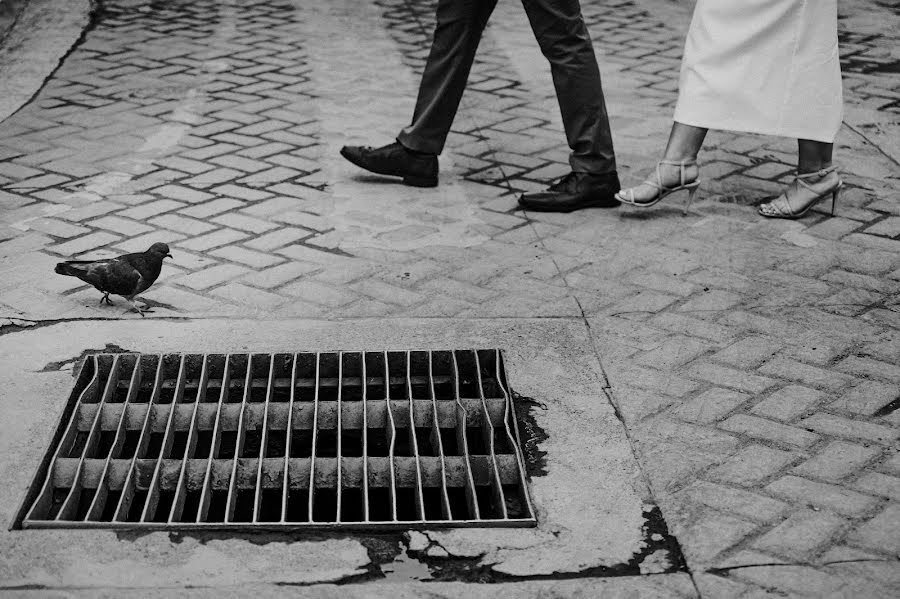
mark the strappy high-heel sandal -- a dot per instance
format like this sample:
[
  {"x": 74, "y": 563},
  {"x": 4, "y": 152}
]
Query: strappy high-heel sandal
[
  {"x": 627, "y": 195},
  {"x": 804, "y": 193}
]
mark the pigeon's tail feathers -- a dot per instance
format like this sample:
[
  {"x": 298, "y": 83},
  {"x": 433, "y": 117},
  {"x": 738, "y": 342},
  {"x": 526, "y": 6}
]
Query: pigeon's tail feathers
[{"x": 64, "y": 268}]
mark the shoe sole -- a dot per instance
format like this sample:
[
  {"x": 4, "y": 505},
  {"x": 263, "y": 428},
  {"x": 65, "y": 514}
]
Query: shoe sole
[{"x": 412, "y": 181}]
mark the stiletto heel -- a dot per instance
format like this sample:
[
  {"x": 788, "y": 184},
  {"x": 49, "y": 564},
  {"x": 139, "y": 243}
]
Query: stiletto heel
[
  {"x": 802, "y": 195},
  {"x": 627, "y": 196},
  {"x": 691, "y": 194}
]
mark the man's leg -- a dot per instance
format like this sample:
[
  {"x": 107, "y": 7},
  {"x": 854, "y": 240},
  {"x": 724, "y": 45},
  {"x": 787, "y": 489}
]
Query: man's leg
[
  {"x": 413, "y": 156},
  {"x": 564, "y": 40},
  {"x": 460, "y": 24}
]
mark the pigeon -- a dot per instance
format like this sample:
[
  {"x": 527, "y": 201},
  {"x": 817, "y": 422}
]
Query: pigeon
[{"x": 126, "y": 275}]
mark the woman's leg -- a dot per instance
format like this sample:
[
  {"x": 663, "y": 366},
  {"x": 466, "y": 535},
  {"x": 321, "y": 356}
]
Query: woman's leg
[
  {"x": 684, "y": 143},
  {"x": 813, "y": 155},
  {"x": 797, "y": 198}
]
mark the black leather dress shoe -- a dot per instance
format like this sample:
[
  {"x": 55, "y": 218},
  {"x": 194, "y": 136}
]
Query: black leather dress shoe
[
  {"x": 574, "y": 192},
  {"x": 418, "y": 170}
]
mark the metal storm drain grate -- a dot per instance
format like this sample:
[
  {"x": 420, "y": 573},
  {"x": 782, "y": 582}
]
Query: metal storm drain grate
[{"x": 332, "y": 439}]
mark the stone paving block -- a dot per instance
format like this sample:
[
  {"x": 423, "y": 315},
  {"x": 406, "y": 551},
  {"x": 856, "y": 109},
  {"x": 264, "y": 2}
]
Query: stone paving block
[
  {"x": 181, "y": 224},
  {"x": 881, "y": 533},
  {"x": 276, "y": 276},
  {"x": 776, "y": 432},
  {"x": 248, "y": 257},
  {"x": 185, "y": 164},
  {"x": 746, "y": 504},
  {"x": 810, "y": 375},
  {"x": 837, "y": 426},
  {"x": 833, "y": 228},
  {"x": 751, "y": 465},
  {"x": 636, "y": 404},
  {"x": 317, "y": 293},
  {"x": 146, "y": 211},
  {"x": 250, "y": 296},
  {"x": 866, "y": 398},
  {"x": 276, "y": 239},
  {"x": 837, "y": 461},
  {"x": 56, "y": 228},
  {"x": 674, "y": 352},
  {"x": 851, "y": 279},
  {"x": 184, "y": 194},
  {"x": 710, "y": 533},
  {"x": 876, "y": 483},
  {"x": 663, "y": 283},
  {"x": 787, "y": 403},
  {"x": 867, "y": 367},
  {"x": 244, "y": 223},
  {"x": 789, "y": 580},
  {"x": 213, "y": 240},
  {"x": 728, "y": 377},
  {"x": 710, "y": 406},
  {"x": 823, "y": 496},
  {"x": 755, "y": 323},
  {"x": 874, "y": 242},
  {"x": 843, "y": 560},
  {"x": 714, "y": 300},
  {"x": 212, "y": 208},
  {"x": 642, "y": 304},
  {"x": 83, "y": 244},
  {"x": 274, "y": 207},
  {"x": 889, "y": 227},
  {"x": 457, "y": 289},
  {"x": 694, "y": 327},
  {"x": 722, "y": 587},
  {"x": 673, "y": 452},
  {"x": 635, "y": 334},
  {"x": 210, "y": 277},
  {"x": 123, "y": 226},
  {"x": 748, "y": 352},
  {"x": 801, "y": 535},
  {"x": 892, "y": 465},
  {"x": 239, "y": 163},
  {"x": 647, "y": 378}
]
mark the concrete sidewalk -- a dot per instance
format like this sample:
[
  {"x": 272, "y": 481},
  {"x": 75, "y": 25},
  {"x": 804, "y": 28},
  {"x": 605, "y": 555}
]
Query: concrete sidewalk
[{"x": 754, "y": 363}]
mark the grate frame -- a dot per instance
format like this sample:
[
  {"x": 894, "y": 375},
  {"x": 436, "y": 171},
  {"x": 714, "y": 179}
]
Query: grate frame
[{"x": 153, "y": 441}]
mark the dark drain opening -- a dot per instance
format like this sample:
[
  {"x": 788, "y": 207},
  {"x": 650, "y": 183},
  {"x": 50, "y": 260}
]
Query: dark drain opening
[{"x": 334, "y": 439}]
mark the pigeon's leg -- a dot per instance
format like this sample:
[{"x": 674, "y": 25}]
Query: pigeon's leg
[
  {"x": 138, "y": 308},
  {"x": 105, "y": 299}
]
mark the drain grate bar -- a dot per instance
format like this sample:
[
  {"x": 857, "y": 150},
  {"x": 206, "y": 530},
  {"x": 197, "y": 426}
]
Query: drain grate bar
[{"x": 321, "y": 440}]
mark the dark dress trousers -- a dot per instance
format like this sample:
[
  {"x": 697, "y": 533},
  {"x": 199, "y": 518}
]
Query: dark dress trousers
[{"x": 564, "y": 40}]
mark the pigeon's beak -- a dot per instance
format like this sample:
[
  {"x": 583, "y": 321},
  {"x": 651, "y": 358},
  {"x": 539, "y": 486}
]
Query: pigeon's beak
[{"x": 168, "y": 255}]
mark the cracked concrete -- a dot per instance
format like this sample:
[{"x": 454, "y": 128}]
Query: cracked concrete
[{"x": 549, "y": 360}]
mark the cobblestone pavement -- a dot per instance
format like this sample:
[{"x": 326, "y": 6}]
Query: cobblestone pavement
[{"x": 754, "y": 363}]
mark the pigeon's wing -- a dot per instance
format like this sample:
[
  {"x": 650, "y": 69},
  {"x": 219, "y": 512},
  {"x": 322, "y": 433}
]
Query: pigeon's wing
[
  {"x": 147, "y": 266},
  {"x": 122, "y": 278},
  {"x": 112, "y": 276}
]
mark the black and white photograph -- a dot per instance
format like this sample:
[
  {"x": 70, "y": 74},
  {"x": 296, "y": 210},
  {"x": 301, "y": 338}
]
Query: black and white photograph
[{"x": 450, "y": 299}]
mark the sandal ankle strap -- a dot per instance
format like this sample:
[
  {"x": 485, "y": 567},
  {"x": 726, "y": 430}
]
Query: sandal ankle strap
[
  {"x": 679, "y": 163},
  {"x": 801, "y": 179},
  {"x": 819, "y": 173},
  {"x": 685, "y": 162}
]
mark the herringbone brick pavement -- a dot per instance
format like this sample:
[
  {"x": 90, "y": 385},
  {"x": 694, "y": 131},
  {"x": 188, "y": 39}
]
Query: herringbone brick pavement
[{"x": 755, "y": 363}]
